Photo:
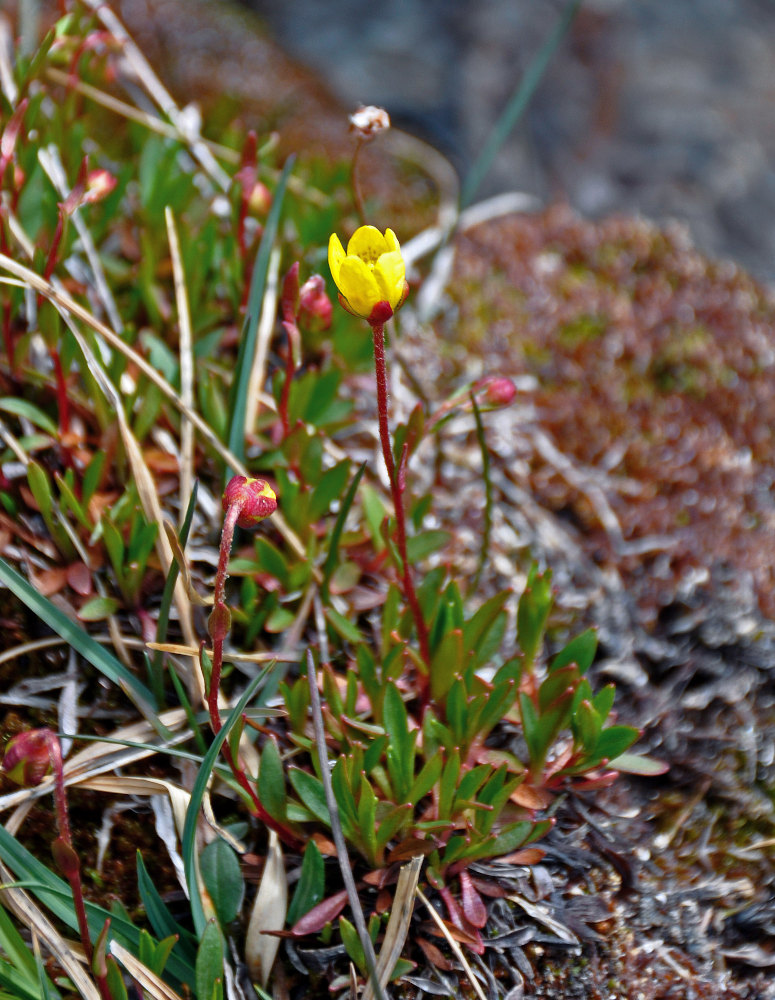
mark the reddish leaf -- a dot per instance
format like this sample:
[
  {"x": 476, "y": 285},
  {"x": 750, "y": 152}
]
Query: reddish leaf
[
  {"x": 524, "y": 856},
  {"x": 384, "y": 901},
  {"x": 474, "y": 909},
  {"x": 434, "y": 955},
  {"x": 80, "y": 579},
  {"x": 316, "y": 919},
  {"x": 49, "y": 581},
  {"x": 410, "y": 847},
  {"x": 531, "y": 798}
]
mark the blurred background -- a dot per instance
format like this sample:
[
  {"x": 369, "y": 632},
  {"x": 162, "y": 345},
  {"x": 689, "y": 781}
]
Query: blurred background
[{"x": 659, "y": 107}]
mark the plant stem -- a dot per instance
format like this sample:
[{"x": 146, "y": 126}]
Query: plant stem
[
  {"x": 397, "y": 492},
  {"x": 67, "y": 857},
  {"x": 219, "y": 631}
]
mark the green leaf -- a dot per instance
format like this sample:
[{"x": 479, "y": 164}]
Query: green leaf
[
  {"x": 159, "y": 916},
  {"x": 97, "y": 609},
  {"x": 209, "y": 962},
  {"x": 336, "y": 535},
  {"x": 580, "y": 650},
  {"x": 586, "y": 726},
  {"x": 352, "y": 944},
  {"x": 271, "y": 560},
  {"x": 446, "y": 664},
  {"x": 239, "y": 396},
  {"x": 532, "y": 613},
  {"x": 310, "y": 889},
  {"x": 367, "y": 814},
  {"x": 311, "y": 792},
  {"x": 81, "y": 641},
  {"x": 401, "y": 748},
  {"x": 615, "y": 740},
  {"x": 636, "y": 763},
  {"x": 188, "y": 839},
  {"x": 222, "y": 877},
  {"x": 329, "y": 488},
  {"x": 426, "y": 779},
  {"x": 23, "y": 408},
  {"x": 603, "y": 701},
  {"x": 448, "y": 784},
  {"x": 556, "y": 684},
  {"x": 343, "y": 626},
  {"x": 271, "y": 781},
  {"x": 419, "y": 547}
]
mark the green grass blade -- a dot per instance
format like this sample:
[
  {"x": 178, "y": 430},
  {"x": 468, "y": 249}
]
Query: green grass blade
[
  {"x": 484, "y": 549},
  {"x": 81, "y": 641},
  {"x": 333, "y": 549},
  {"x": 197, "y": 794},
  {"x": 517, "y": 105},
  {"x": 239, "y": 395},
  {"x": 55, "y": 894}
]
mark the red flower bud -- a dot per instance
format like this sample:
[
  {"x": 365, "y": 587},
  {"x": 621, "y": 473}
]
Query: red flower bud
[
  {"x": 256, "y": 498},
  {"x": 496, "y": 390},
  {"x": 27, "y": 760},
  {"x": 315, "y": 309}
]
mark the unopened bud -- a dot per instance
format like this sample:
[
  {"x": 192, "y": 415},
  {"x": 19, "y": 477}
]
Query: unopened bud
[
  {"x": 368, "y": 121},
  {"x": 259, "y": 199},
  {"x": 65, "y": 858},
  {"x": 27, "y": 760},
  {"x": 256, "y": 498},
  {"x": 315, "y": 309},
  {"x": 99, "y": 184},
  {"x": 496, "y": 391}
]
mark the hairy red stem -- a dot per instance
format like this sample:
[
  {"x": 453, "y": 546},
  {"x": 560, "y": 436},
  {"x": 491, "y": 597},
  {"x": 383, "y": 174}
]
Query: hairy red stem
[{"x": 397, "y": 490}]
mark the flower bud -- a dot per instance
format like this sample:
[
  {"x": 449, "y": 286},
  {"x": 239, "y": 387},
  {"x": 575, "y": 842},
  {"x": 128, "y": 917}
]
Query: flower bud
[
  {"x": 259, "y": 199},
  {"x": 27, "y": 760},
  {"x": 315, "y": 309},
  {"x": 256, "y": 498},
  {"x": 368, "y": 121},
  {"x": 99, "y": 184},
  {"x": 496, "y": 391}
]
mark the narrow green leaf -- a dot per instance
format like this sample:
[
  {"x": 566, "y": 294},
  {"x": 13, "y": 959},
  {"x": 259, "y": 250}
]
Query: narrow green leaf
[
  {"x": 615, "y": 740},
  {"x": 159, "y": 916},
  {"x": 352, "y": 944},
  {"x": 271, "y": 781},
  {"x": 97, "y": 609},
  {"x": 446, "y": 664},
  {"x": 336, "y": 535},
  {"x": 23, "y": 408},
  {"x": 310, "y": 791},
  {"x": 586, "y": 727},
  {"x": 223, "y": 880},
  {"x": 188, "y": 840},
  {"x": 448, "y": 785},
  {"x": 532, "y": 613},
  {"x": 517, "y": 105},
  {"x": 209, "y": 961},
  {"x": 580, "y": 650},
  {"x": 401, "y": 747},
  {"x": 81, "y": 641},
  {"x": 311, "y": 887},
  {"x": 637, "y": 763}
]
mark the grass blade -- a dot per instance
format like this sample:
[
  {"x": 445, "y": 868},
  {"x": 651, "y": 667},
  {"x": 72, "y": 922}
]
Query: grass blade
[
  {"x": 197, "y": 794},
  {"x": 81, "y": 641},
  {"x": 517, "y": 105}
]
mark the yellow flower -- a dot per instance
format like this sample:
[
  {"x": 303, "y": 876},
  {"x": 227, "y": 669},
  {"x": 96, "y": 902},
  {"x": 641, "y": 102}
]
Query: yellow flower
[{"x": 371, "y": 276}]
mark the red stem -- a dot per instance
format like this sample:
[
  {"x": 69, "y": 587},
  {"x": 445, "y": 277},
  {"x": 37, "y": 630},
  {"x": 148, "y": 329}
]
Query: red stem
[
  {"x": 227, "y": 538},
  {"x": 397, "y": 490}
]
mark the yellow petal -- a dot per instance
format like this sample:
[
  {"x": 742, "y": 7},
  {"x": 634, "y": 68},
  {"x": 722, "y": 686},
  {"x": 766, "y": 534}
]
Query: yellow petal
[
  {"x": 335, "y": 256},
  {"x": 390, "y": 272},
  {"x": 368, "y": 243},
  {"x": 392, "y": 240},
  {"x": 357, "y": 284}
]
